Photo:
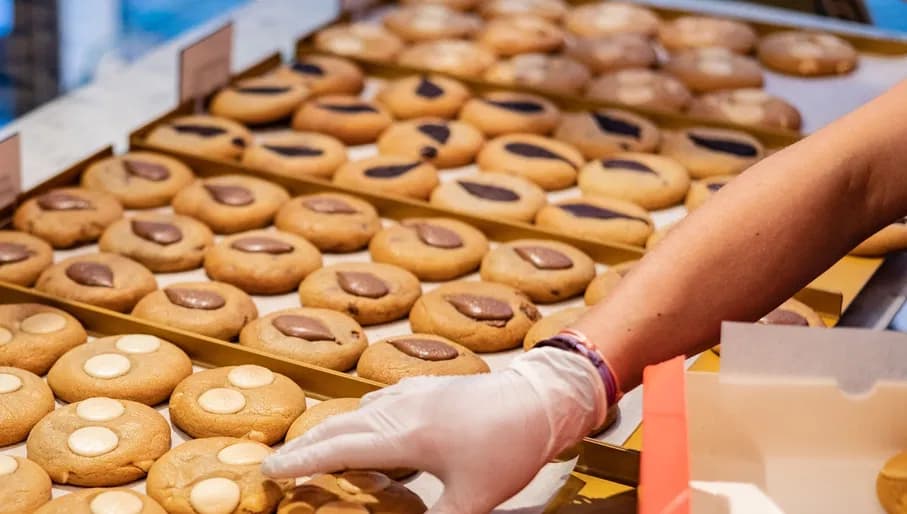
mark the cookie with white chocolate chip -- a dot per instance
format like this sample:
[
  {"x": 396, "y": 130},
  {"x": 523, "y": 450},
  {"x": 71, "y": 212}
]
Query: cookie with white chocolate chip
[
  {"x": 26, "y": 399},
  {"x": 713, "y": 68},
  {"x": 807, "y": 53},
  {"x": 103, "y": 501},
  {"x": 34, "y": 336},
  {"x": 639, "y": 87},
  {"x": 24, "y": 486},
  {"x": 748, "y": 106}
]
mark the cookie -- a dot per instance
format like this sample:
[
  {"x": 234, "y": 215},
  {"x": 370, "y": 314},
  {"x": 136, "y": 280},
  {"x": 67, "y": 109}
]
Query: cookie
[
  {"x": 24, "y": 486},
  {"x": 890, "y": 484},
  {"x": 807, "y": 53},
  {"x": 688, "y": 32},
  {"x": 491, "y": 195},
  {"x": 419, "y": 96},
  {"x": 259, "y": 100},
  {"x": 505, "y": 112},
  {"x": 482, "y": 316},
  {"x": 354, "y": 492},
  {"x": 248, "y": 401},
  {"x": 296, "y": 154},
  {"x": 231, "y": 203},
  {"x": 520, "y": 34},
  {"x": 68, "y": 216},
  {"x": 325, "y": 75},
  {"x": 217, "y": 475},
  {"x": 551, "y": 325},
  {"x": 213, "y": 309},
  {"x": 163, "y": 243},
  {"x": 641, "y": 88},
  {"x": 453, "y": 56},
  {"x": 99, "y": 442},
  {"x": 104, "y": 280},
  {"x": 262, "y": 261},
  {"x": 371, "y": 293},
  {"x": 792, "y": 312},
  {"x": 103, "y": 501},
  {"x": 389, "y": 175},
  {"x": 650, "y": 181},
  {"x": 200, "y": 134},
  {"x": 602, "y": 285},
  {"x": 425, "y": 22},
  {"x": 361, "y": 40},
  {"x": 658, "y": 235},
  {"x": 545, "y": 271},
  {"x": 612, "y": 53},
  {"x": 333, "y": 222},
  {"x": 315, "y": 336},
  {"x": 552, "y": 10},
  {"x": 317, "y": 413},
  {"x": 137, "y": 367},
  {"x": 34, "y": 336},
  {"x": 26, "y": 399},
  {"x": 890, "y": 239},
  {"x": 139, "y": 180},
  {"x": 609, "y": 18},
  {"x": 597, "y": 218},
  {"x": 702, "y": 190},
  {"x": 706, "y": 152},
  {"x": 348, "y": 118},
  {"x": 460, "y": 5},
  {"x": 433, "y": 249},
  {"x": 445, "y": 144},
  {"x": 605, "y": 132},
  {"x": 752, "y": 107},
  {"x": 393, "y": 359},
  {"x": 713, "y": 68},
  {"x": 554, "y": 74},
  {"x": 549, "y": 163},
  {"x": 23, "y": 257}
]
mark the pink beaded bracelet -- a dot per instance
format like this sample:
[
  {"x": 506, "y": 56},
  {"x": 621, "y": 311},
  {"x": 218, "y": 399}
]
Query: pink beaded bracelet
[{"x": 575, "y": 341}]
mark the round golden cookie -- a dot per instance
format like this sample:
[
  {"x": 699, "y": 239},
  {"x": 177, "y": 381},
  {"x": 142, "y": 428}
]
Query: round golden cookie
[
  {"x": 419, "y": 96},
  {"x": 259, "y": 100},
  {"x": 163, "y": 243},
  {"x": 213, "y": 309},
  {"x": 103, "y": 501},
  {"x": 245, "y": 401},
  {"x": 296, "y": 154},
  {"x": 25, "y": 399},
  {"x": 658, "y": 235},
  {"x": 706, "y": 152},
  {"x": 424, "y": 22},
  {"x": 792, "y": 312},
  {"x": 216, "y": 475},
  {"x": 23, "y": 257},
  {"x": 389, "y": 174},
  {"x": 333, "y": 222},
  {"x": 492, "y": 195},
  {"x": 520, "y": 34},
  {"x": 609, "y": 18},
  {"x": 262, "y": 261},
  {"x": 482, "y": 316},
  {"x": 545, "y": 271},
  {"x": 807, "y": 53},
  {"x": 713, "y": 68},
  {"x": 460, "y": 5},
  {"x": 605, "y": 132},
  {"x": 552, "y": 10},
  {"x": 433, "y": 249},
  {"x": 891, "y": 484},
  {"x": 99, "y": 442},
  {"x": 354, "y": 492},
  {"x": 505, "y": 112},
  {"x": 551, "y": 325},
  {"x": 702, "y": 190},
  {"x": 369, "y": 292},
  {"x": 650, "y": 181},
  {"x": 348, "y": 118},
  {"x": 752, "y": 107},
  {"x": 315, "y": 336},
  {"x": 137, "y": 367},
  {"x": 231, "y": 203},
  {"x": 325, "y": 75},
  {"x": 453, "y": 56},
  {"x": 611, "y": 53},
  {"x": 104, "y": 280},
  {"x": 204, "y": 135},
  {"x": 549, "y": 163},
  {"x": 890, "y": 239},
  {"x": 602, "y": 285},
  {"x": 555, "y": 74},
  {"x": 24, "y": 486},
  {"x": 597, "y": 218},
  {"x": 139, "y": 180},
  {"x": 391, "y": 360},
  {"x": 445, "y": 144},
  {"x": 34, "y": 336},
  {"x": 68, "y": 216},
  {"x": 642, "y": 88},
  {"x": 361, "y": 40},
  {"x": 317, "y": 413},
  {"x": 688, "y": 32}
]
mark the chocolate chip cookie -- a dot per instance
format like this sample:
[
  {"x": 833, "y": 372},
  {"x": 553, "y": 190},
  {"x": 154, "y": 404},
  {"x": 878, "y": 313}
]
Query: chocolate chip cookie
[
  {"x": 433, "y": 249},
  {"x": 296, "y": 154},
  {"x": 605, "y": 132},
  {"x": 362, "y": 40},
  {"x": 348, "y": 118},
  {"x": 163, "y": 243},
  {"x": 807, "y": 53},
  {"x": 504, "y": 112},
  {"x": 23, "y": 257},
  {"x": 445, "y": 144},
  {"x": 493, "y": 195},
  {"x": 259, "y": 100},
  {"x": 706, "y": 152},
  {"x": 642, "y": 88},
  {"x": 391, "y": 360},
  {"x": 331, "y": 221},
  {"x": 702, "y": 190},
  {"x": 545, "y": 271},
  {"x": 650, "y": 181},
  {"x": 34, "y": 336},
  {"x": 68, "y": 216},
  {"x": 213, "y": 309},
  {"x": 139, "y": 180},
  {"x": 105, "y": 280},
  {"x": 231, "y": 203},
  {"x": 390, "y": 175},
  {"x": 688, "y": 32},
  {"x": 419, "y": 96},
  {"x": 325, "y": 75},
  {"x": 602, "y": 285},
  {"x": 712, "y": 68},
  {"x": 752, "y": 107},
  {"x": 556, "y": 74},
  {"x": 597, "y": 218},
  {"x": 204, "y": 135},
  {"x": 26, "y": 399},
  {"x": 453, "y": 56},
  {"x": 549, "y": 163}
]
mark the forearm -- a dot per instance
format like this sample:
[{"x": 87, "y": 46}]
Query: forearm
[{"x": 757, "y": 242}]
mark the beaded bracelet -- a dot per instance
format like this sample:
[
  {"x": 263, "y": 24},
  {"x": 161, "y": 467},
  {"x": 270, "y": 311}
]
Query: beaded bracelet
[{"x": 577, "y": 342}]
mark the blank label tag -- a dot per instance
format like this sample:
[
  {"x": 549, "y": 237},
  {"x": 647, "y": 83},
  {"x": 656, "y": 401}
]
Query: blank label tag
[
  {"x": 205, "y": 66},
  {"x": 10, "y": 171}
]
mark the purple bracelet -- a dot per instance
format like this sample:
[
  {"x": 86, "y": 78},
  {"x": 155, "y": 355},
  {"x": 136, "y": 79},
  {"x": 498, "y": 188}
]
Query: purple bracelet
[{"x": 575, "y": 342}]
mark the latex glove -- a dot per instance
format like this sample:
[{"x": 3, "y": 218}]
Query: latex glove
[{"x": 484, "y": 436}]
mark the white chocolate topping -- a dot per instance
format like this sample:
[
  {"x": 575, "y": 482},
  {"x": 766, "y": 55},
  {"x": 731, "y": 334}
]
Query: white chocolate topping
[
  {"x": 92, "y": 441},
  {"x": 107, "y": 365},
  {"x": 5, "y": 335},
  {"x": 8, "y": 465},
  {"x": 100, "y": 409},
  {"x": 221, "y": 400},
  {"x": 138, "y": 343},
  {"x": 9, "y": 383},
  {"x": 241, "y": 454},
  {"x": 215, "y": 496},
  {"x": 116, "y": 502},
  {"x": 43, "y": 323},
  {"x": 250, "y": 376}
]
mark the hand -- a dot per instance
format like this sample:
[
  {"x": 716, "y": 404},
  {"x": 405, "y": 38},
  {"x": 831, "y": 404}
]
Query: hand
[{"x": 484, "y": 436}]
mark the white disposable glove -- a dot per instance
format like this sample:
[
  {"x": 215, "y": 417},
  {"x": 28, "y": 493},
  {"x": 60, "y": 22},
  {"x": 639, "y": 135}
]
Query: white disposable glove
[{"x": 484, "y": 436}]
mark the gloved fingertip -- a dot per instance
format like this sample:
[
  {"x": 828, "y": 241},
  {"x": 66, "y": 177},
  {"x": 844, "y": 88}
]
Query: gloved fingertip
[{"x": 280, "y": 467}]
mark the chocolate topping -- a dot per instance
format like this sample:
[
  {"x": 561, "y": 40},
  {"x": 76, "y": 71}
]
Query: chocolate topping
[
  {"x": 428, "y": 89},
  {"x": 147, "y": 170},
  {"x": 348, "y": 108},
  {"x": 436, "y": 235},
  {"x": 517, "y": 105},
  {"x": 263, "y": 90},
  {"x": 783, "y": 317},
  {"x": 230, "y": 195},
  {"x": 584, "y": 210},
  {"x": 534, "y": 152},
  {"x": 295, "y": 151},
  {"x": 307, "y": 68},
  {"x": 436, "y": 131},
  {"x": 199, "y": 130},
  {"x": 481, "y": 308},
  {"x": 13, "y": 252},
  {"x": 60, "y": 201},
  {"x": 614, "y": 125},
  {"x": 715, "y": 186},
  {"x": 360, "y": 283},
  {"x": 92, "y": 274},
  {"x": 195, "y": 298},
  {"x": 157, "y": 232},
  {"x": 391, "y": 171},
  {"x": 543, "y": 258},
  {"x": 489, "y": 192},
  {"x": 426, "y": 349},
  {"x": 737, "y": 148},
  {"x": 238, "y": 141},
  {"x": 303, "y": 327},
  {"x": 627, "y": 165},
  {"x": 259, "y": 244},
  {"x": 328, "y": 205},
  {"x": 428, "y": 152}
]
